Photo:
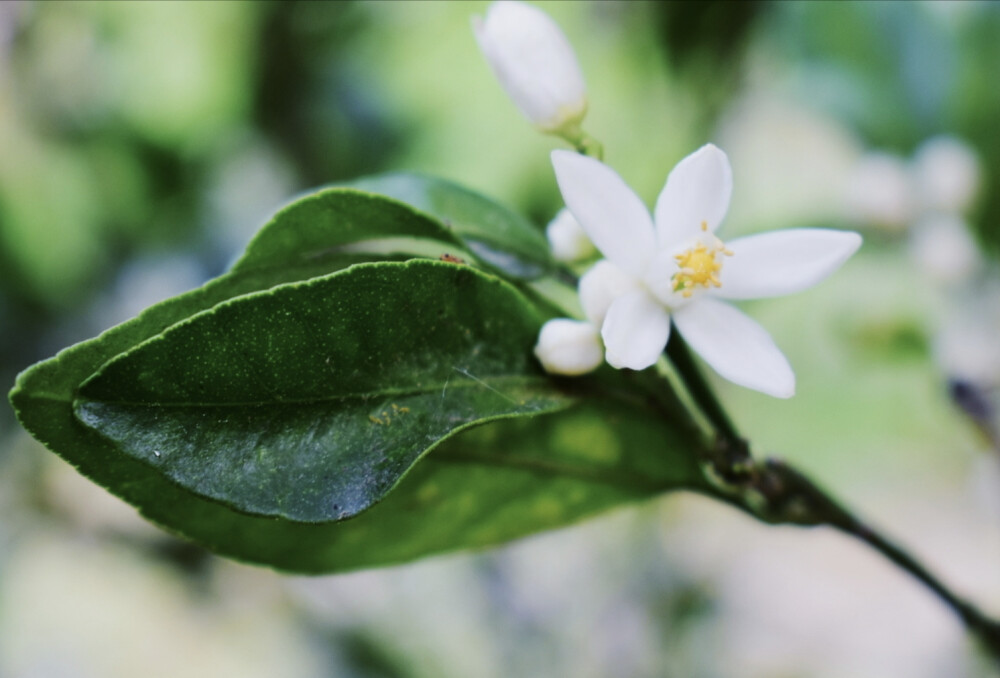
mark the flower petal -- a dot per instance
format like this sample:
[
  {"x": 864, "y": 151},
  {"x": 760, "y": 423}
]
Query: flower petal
[
  {"x": 635, "y": 331},
  {"x": 735, "y": 346},
  {"x": 600, "y": 286},
  {"x": 611, "y": 214},
  {"x": 568, "y": 347},
  {"x": 782, "y": 262},
  {"x": 697, "y": 190}
]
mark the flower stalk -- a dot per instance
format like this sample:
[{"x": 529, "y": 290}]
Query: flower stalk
[
  {"x": 777, "y": 493},
  {"x": 584, "y": 143},
  {"x": 680, "y": 356}
]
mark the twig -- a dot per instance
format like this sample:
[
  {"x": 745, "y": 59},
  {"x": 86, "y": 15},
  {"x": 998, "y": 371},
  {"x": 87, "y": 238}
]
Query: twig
[
  {"x": 680, "y": 355},
  {"x": 776, "y": 493}
]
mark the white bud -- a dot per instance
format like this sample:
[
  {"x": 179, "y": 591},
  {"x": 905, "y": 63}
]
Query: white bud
[
  {"x": 943, "y": 247},
  {"x": 569, "y": 347},
  {"x": 600, "y": 286},
  {"x": 880, "y": 192},
  {"x": 567, "y": 239},
  {"x": 947, "y": 174},
  {"x": 534, "y": 63}
]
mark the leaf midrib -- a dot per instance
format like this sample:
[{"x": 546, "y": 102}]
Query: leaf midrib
[{"x": 501, "y": 380}]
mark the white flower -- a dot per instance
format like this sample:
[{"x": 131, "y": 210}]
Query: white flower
[
  {"x": 534, "y": 63},
  {"x": 570, "y": 347},
  {"x": 946, "y": 172},
  {"x": 568, "y": 241},
  {"x": 675, "y": 268}
]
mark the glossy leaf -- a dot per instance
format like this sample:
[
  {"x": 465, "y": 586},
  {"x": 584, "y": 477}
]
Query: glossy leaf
[
  {"x": 491, "y": 484},
  {"x": 313, "y": 236},
  {"x": 310, "y": 401}
]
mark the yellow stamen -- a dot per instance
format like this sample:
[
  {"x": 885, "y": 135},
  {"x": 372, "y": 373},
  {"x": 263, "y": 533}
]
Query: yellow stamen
[{"x": 699, "y": 266}]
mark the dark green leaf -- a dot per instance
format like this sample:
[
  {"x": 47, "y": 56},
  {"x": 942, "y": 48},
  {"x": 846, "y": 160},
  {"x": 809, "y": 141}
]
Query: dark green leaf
[
  {"x": 313, "y": 236},
  {"x": 309, "y": 401},
  {"x": 494, "y": 483},
  {"x": 525, "y": 472}
]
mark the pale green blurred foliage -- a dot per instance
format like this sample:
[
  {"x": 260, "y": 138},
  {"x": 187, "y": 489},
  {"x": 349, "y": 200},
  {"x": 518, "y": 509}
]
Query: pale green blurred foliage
[{"x": 141, "y": 144}]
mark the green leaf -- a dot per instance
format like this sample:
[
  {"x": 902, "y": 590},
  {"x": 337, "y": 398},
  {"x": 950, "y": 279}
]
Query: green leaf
[
  {"x": 312, "y": 236},
  {"x": 309, "y": 401},
  {"x": 491, "y": 484},
  {"x": 525, "y": 472},
  {"x": 322, "y": 228},
  {"x": 496, "y": 235}
]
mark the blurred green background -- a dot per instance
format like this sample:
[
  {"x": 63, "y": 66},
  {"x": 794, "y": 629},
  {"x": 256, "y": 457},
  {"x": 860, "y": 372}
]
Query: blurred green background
[{"x": 142, "y": 144}]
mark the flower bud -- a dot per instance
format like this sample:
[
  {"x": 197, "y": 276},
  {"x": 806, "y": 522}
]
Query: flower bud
[
  {"x": 947, "y": 174},
  {"x": 880, "y": 192},
  {"x": 567, "y": 239},
  {"x": 534, "y": 63},
  {"x": 944, "y": 249},
  {"x": 569, "y": 347}
]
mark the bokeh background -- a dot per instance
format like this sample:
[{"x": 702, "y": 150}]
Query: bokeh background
[{"x": 142, "y": 144}]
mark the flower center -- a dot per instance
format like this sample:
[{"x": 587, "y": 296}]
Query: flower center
[{"x": 699, "y": 265}]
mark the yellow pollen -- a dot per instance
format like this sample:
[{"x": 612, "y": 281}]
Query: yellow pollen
[{"x": 699, "y": 266}]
